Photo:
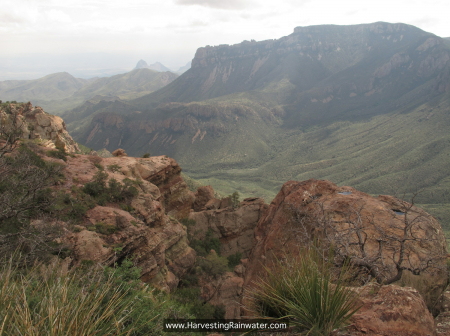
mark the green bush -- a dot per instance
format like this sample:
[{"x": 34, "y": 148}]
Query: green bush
[
  {"x": 203, "y": 247},
  {"x": 213, "y": 265},
  {"x": 114, "y": 168},
  {"x": 234, "y": 260},
  {"x": 303, "y": 290},
  {"x": 102, "y": 228},
  {"x": 191, "y": 298},
  {"x": 146, "y": 155},
  {"x": 58, "y": 154},
  {"x": 235, "y": 199}
]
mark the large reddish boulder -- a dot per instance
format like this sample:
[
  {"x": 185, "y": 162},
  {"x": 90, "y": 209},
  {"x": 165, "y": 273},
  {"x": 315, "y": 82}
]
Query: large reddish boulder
[{"x": 370, "y": 231}]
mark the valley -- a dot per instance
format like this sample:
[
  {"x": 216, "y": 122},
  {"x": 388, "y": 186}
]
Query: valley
[{"x": 363, "y": 105}]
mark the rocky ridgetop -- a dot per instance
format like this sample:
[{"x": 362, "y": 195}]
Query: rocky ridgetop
[{"x": 35, "y": 124}]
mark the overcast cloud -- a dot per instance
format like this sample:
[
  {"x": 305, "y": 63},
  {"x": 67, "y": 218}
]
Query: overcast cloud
[{"x": 170, "y": 31}]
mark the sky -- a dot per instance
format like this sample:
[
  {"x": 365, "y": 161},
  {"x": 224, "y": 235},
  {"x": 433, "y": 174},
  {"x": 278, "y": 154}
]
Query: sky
[{"x": 39, "y": 37}]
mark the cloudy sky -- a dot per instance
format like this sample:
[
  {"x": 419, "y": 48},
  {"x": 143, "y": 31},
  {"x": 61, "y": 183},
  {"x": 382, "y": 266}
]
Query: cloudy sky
[{"x": 44, "y": 36}]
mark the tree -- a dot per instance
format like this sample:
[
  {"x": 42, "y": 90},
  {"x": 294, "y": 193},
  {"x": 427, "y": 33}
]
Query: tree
[
  {"x": 25, "y": 194},
  {"x": 11, "y": 125},
  {"x": 235, "y": 199},
  {"x": 405, "y": 242}
]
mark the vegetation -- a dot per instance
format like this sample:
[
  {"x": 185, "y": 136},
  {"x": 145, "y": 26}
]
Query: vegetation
[
  {"x": 234, "y": 260},
  {"x": 44, "y": 300},
  {"x": 234, "y": 199},
  {"x": 204, "y": 246},
  {"x": 190, "y": 297},
  {"x": 304, "y": 290},
  {"x": 104, "y": 190}
]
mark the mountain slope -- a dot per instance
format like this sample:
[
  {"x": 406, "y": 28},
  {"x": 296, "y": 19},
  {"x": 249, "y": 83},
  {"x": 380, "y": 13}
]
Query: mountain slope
[
  {"x": 55, "y": 86},
  {"x": 346, "y": 103},
  {"x": 59, "y": 92}
]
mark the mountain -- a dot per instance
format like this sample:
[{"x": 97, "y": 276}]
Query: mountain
[
  {"x": 59, "y": 92},
  {"x": 141, "y": 64},
  {"x": 155, "y": 66},
  {"x": 55, "y": 86},
  {"x": 183, "y": 69},
  {"x": 363, "y": 105}
]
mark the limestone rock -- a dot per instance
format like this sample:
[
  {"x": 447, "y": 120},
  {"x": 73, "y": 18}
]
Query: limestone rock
[
  {"x": 154, "y": 250},
  {"x": 157, "y": 243}
]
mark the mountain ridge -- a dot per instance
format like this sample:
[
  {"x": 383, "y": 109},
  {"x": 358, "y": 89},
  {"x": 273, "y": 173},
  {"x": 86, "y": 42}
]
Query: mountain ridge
[{"x": 256, "y": 114}]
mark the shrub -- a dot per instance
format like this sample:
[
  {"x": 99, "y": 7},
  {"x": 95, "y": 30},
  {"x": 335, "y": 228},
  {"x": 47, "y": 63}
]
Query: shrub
[
  {"x": 102, "y": 228},
  {"x": 302, "y": 290},
  {"x": 204, "y": 247},
  {"x": 213, "y": 265},
  {"x": 146, "y": 155},
  {"x": 234, "y": 199},
  {"x": 234, "y": 260},
  {"x": 191, "y": 297},
  {"x": 188, "y": 222},
  {"x": 114, "y": 168},
  {"x": 58, "y": 154}
]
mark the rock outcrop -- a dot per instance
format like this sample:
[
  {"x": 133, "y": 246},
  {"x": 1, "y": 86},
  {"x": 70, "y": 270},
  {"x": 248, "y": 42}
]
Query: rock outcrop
[
  {"x": 34, "y": 123},
  {"x": 226, "y": 291},
  {"x": 305, "y": 211},
  {"x": 234, "y": 227},
  {"x": 155, "y": 241}
]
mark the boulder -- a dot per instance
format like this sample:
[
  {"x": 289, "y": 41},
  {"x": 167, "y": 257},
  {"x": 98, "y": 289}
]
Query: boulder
[
  {"x": 119, "y": 152},
  {"x": 391, "y": 310},
  {"x": 162, "y": 253},
  {"x": 311, "y": 210},
  {"x": 202, "y": 196}
]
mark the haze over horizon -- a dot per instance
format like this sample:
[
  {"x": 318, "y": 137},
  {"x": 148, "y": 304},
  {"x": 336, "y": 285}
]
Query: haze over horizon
[{"x": 101, "y": 38}]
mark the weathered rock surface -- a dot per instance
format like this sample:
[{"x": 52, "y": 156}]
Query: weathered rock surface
[
  {"x": 162, "y": 252},
  {"x": 36, "y": 124},
  {"x": 234, "y": 227},
  {"x": 159, "y": 176},
  {"x": 119, "y": 152},
  {"x": 391, "y": 310},
  {"x": 302, "y": 210},
  {"x": 203, "y": 195},
  {"x": 227, "y": 291},
  {"x": 156, "y": 242}
]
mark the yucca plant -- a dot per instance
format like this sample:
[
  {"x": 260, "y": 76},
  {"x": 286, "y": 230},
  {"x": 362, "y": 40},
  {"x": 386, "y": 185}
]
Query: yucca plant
[
  {"x": 43, "y": 301},
  {"x": 305, "y": 291}
]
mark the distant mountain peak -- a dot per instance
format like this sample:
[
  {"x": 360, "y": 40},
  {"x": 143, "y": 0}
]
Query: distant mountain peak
[
  {"x": 141, "y": 64},
  {"x": 157, "y": 66}
]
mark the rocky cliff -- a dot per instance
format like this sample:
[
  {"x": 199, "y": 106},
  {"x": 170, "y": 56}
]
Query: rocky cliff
[
  {"x": 150, "y": 236},
  {"x": 35, "y": 124}
]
